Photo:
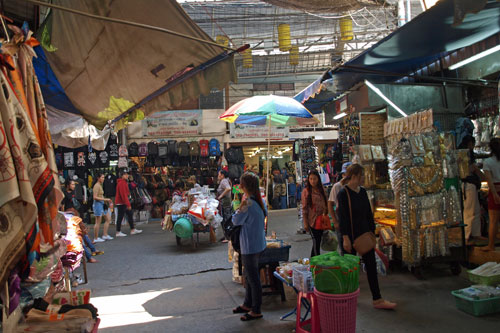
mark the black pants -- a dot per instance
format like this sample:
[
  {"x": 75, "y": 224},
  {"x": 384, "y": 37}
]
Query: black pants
[
  {"x": 316, "y": 247},
  {"x": 253, "y": 294},
  {"x": 371, "y": 272},
  {"x": 122, "y": 210}
]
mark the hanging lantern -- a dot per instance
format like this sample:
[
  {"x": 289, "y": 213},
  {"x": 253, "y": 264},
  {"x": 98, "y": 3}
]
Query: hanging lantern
[
  {"x": 346, "y": 32},
  {"x": 285, "y": 42},
  {"x": 222, "y": 40},
  {"x": 294, "y": 55},
  {"x": 247, "y": 58}
]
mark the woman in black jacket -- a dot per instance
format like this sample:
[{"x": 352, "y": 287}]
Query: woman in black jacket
[{"x": 362, "y": 221}]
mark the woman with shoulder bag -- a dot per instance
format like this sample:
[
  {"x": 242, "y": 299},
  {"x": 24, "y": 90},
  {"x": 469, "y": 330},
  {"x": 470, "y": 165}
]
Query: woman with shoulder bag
[
  {"x": 357, "y": 228},
  {"x": 315, "y": 210},
  {"x": 250, "y": 216}
]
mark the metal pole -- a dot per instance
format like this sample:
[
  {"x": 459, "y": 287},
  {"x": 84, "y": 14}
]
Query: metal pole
[{"x": 267, "y": 158}]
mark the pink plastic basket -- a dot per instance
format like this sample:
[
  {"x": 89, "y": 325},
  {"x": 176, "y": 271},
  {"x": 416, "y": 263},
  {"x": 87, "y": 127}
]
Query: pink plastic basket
[{"x": 337, "y": 313}]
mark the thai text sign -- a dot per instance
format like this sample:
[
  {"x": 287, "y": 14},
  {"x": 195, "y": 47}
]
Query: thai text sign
[
  {"x": 238, "y": 131},
  {"x": 178, "y": 123}
]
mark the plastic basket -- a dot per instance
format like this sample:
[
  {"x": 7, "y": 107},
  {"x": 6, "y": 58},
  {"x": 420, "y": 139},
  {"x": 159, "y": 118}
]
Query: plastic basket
[
  {"x": 274, "y": 255},
  {"x": 484, "y": 280},
  {"x": 476, "y": 307},
  {"x": 183, "y": 228},
  {"x": 302, "y": 279},
  {"x": 337, "y": 313}
]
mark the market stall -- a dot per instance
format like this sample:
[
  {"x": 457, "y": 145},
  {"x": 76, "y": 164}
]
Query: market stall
[{"x": 424, "y": 172}]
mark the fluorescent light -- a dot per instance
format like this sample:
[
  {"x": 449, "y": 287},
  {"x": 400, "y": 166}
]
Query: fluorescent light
[
  {"x": 475, "y": 57},
  {"x": 378, "y": 92},
  {"x": 340, "y": 115}
]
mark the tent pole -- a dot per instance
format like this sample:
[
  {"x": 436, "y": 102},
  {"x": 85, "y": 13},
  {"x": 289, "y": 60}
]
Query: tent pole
[{"x": 267, "y": 160}]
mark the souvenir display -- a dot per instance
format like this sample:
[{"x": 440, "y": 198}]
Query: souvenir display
[
  {"x": 377, "y": 153},
  {"x": 419, "y": 161}
]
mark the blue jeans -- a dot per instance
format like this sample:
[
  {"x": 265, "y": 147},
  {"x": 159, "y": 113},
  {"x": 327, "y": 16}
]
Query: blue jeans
[
  {"x": 253, "y": 293},
  {"x": 88, "y": 247}
]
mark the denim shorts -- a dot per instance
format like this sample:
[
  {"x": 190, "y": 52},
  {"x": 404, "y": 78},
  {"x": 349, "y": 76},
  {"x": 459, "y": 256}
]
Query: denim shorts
[{"x": 98, "y": 208}]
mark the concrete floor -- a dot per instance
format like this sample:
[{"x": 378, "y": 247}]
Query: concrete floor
[{"x": 145, "y": 283}]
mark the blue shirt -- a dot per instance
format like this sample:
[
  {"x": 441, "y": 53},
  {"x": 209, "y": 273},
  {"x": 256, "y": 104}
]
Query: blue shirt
[{"x": 252, "y": 234}]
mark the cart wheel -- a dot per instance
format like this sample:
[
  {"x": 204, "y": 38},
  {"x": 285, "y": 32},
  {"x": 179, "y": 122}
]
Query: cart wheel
[
  {"x": 417, "y": 272},
  {"x": 455, "y": 268},
  {"x": 178, "y": 240}
]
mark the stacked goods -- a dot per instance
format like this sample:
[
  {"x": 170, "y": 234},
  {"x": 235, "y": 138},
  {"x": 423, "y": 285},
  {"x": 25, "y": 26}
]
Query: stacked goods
[
  {"x": 487, "y": 274},
  {"x": 335, "y": 274}
]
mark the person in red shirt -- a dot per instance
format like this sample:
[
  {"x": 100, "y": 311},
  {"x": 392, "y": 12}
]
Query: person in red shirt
[{"x": 122, "y": 203}]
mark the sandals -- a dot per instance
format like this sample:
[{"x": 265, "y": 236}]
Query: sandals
[
  {"x": 249, "y": 317},
  {"x": 239, "y": 309},
  {"x": 97, "y": 253}
]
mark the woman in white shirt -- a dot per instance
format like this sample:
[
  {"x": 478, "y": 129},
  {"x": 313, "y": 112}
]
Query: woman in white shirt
[{"x": 491, "y": 168}]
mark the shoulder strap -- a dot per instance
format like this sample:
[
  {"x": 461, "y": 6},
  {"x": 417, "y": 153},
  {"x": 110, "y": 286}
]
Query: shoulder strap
[{"x": 350, "y": 209}]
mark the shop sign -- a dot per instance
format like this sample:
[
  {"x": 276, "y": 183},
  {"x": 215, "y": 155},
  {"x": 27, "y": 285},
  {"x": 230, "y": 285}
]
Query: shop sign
[
  {"x": 238, "y": 131},
  {"x": 173, "y": 123}
]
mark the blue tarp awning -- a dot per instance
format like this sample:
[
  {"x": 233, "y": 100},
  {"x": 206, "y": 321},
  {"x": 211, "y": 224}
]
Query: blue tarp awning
[{"x": 416, "y": 44}]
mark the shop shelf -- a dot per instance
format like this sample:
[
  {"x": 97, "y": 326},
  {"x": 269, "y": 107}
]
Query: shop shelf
[
  {"x": 476, "y": 307},
  {"x": 484, "y": 280}
]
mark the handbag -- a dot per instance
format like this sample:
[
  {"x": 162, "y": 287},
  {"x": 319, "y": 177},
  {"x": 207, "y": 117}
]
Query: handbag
[
  {"x": 322, "y": 223},
  {"x": 365, "y": 242}
]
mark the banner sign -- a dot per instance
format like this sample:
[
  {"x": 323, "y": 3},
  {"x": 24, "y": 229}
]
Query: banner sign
[
  {"x": 179, "y": 123},
  {"x": 238, "y": 131}
]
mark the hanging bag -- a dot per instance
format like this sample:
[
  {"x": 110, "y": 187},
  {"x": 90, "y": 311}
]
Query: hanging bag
[{"x": 366, "y": 241}]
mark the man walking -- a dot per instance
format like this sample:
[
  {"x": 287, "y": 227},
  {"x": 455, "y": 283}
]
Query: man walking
[{"x": 123, "y": 205}]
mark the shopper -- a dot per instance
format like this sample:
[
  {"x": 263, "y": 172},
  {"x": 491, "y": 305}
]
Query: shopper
[
  {"x": 69, "y": 202},
  {"x": 250, "y": 216},
  {"x": 333, "y": 204},
  {"x": 362, "y": 221},
  {"x": 100, "y": 208},
  {"x": 178, "y": 189},
  {"x": 314, "y": 204},
  {"x": 123, "y": 205},
  {"x": 470, "y": 187},
  {"x": 224, "y": 197},
  {"x": 491, "y": 168}
]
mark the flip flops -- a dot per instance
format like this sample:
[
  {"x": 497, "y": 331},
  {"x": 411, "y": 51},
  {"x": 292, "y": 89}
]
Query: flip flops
[
  {"x": 249, "y": 317},
  {"x": 239, "y": 309}
]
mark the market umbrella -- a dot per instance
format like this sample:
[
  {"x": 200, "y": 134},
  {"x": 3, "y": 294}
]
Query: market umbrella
[{"x": 269, "y": 110}]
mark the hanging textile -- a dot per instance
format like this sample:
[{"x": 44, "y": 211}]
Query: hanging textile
[{"x": 29, "y": 189}]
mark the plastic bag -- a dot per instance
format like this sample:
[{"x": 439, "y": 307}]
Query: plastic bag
[{"x": 329, "y": 241}]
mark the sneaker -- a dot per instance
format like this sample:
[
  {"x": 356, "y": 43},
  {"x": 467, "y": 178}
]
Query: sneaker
[
  {"x": 98, "y": 240},
  {"x": 120, "y": 234},
  {"x": 107, "y": 237},
  {"x": 135, "y": 232}
]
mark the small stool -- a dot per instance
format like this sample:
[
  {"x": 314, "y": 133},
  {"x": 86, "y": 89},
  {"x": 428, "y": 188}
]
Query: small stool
[{"x": 310, "y": 300}]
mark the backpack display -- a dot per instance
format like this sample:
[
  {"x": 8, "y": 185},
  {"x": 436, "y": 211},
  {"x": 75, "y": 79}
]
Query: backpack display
[
  {"x": 133, "y": 149},
  {"x": 204, "y": 148},
  {"x": 172, "y": 147},
  {"x": 143, "y": 149},
  {"x": 123, "y": 151},
  {"x": 153, "y": 148},
  {"x": 235, "y": 155},
  {"x": 235, "y": 171},
  {"x": 214, "y": 147},
  {"x": 194, "y": 148},
  {"x": 163, "y": 149},
  {"x": 183, "y": 149}
]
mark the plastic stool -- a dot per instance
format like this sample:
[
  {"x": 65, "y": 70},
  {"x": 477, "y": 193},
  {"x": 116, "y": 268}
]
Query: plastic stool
[{"x": 314, "y": 320}]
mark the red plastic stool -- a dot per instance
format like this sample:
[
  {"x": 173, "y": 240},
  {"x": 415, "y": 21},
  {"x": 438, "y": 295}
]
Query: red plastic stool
[{"x": 314, "y": 320}]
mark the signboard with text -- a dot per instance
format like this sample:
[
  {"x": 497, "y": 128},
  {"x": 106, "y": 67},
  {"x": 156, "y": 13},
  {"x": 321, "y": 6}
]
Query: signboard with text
[
  {"x": 173, "y": 123},
  {"x": 238, "y": 131}
]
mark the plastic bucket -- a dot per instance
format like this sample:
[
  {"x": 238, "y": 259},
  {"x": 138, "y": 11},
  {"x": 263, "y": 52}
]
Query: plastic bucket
[
  {"x": 183, "y": 228},
  {"x": 337, "y": 313}
]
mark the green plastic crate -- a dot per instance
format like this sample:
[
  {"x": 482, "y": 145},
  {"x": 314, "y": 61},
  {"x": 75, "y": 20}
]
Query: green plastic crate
[
  {"x": 476, "y": 307},
  {"x": 484, "y": 280}
]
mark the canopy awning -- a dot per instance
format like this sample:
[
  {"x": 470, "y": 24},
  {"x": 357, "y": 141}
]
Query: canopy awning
[
  {"x": 418, "y": 43},
  {"x": 99, "y": 63}
]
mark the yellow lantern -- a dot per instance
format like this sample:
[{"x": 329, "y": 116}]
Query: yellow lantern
[
  {"x": 294, "y": 55},
  {"x": 285, "y": 42},
  {"x": 222, "y": 40},
  {"x": 247, "y": 58},
  {"x": 346, "y": 32}
]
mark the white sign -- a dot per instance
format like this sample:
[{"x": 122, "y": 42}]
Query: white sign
[
  {"x": 173, "y": 123},
  {"x": 238, "y": 131}
]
